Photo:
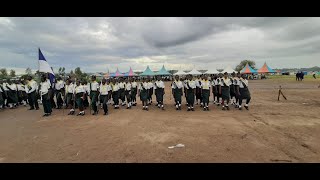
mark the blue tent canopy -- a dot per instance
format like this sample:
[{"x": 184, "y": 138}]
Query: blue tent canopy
[
  {"x": 163, "y": 71},
  {"x": 147, "y": 72}
]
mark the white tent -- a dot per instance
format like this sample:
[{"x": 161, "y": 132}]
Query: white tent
[
  {"x": 212, "y": 71},
  {"x": 228, "y": 69},
  {"x": 180, "y": 73},
  {"x": 194, "y": 72}
]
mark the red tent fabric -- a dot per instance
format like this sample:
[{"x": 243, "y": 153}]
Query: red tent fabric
[{"x": 266, "y": 69}]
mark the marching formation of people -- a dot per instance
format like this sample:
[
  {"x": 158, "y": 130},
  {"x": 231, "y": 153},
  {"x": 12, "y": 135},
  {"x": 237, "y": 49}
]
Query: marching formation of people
[{"x": 77, "y": 94}]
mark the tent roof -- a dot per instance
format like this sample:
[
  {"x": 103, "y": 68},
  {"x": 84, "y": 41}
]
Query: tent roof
[
  {"x": 163, "y": 71},
  {"x": 212, "y": 71},
  {"x": 266, "y": 69},
  {"x": 194, "y": 72},
  {"x": 248, "y": 70},
  {"x": 130, "y": 73},
  {"x": 228, "y": 69},
  {"x": 180, "y": 72},
  {"x": 147, "y": 72}
]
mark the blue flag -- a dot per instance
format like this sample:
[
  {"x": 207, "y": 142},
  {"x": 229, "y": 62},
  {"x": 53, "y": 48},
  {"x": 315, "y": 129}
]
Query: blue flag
[{"x": 45, "y": 67}]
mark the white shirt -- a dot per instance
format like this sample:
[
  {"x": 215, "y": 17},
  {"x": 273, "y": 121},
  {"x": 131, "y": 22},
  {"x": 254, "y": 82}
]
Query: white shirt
[
  {"x": 4, "y": 86},
  {"x": 59, "y": 85},
  {"x": 197, "y": 81},
  {"x": 79, "y": 89},
  {"x": 205, "y": 84},
  {"x": 48, "y": 80},
  {"x": 192, "y": 84},
  {"x": 159, "y": 84},
  {"x": 44, "y": 89},
  {"x": 103, "y": 89},
  {"x": 21, "y": 87},
  {"x": 70, "y": 88},
  {"x": 244, "y": 81},
  {"x": 121, "y": 85},
  {"x": 94, "y": 86},
  {"x": 109, "y": 87},
  {"x": 144, "y": 85},
  {"x": 149, "y": 85},
  {"x": 226, "y": 81},
  {"x": 128, "y": 86},
  {"x": 236, "y": 81},
  {"x": 12, "y": 87},
  {"x": 32, "y": 85},
  {"x": 177, "y": 84},
  {"x": 86, "y": 88},
  {"x": 134, "y": 84},
  {"x": 217, "y": 81},
  {"x": 115, "y": 87}
]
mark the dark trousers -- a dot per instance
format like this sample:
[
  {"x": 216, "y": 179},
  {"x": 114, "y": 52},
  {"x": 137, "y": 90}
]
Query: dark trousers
[
  {"x": 159, "y": 95},
  {"x": 247, "y": 100},
  {"x": 177, "y": 93},
  {"x": 53, "y": 103},
  {"x": 128, "y": 96},
  {"x": 94, "y": 97},
  {"x": 79, "y": 101},
  {"x": 68, "y": 99},
  {"x": 46, "y": 104},
  {"x": 1, "y": 100},
  {"x": 33, "y": 100},
  {"x": 104, "y": 99},
  {"x": 115, "y": 97},
  {"x": 190, "y": 97},
  {"x": 59, "y": 99},
  {"x": 218, "y": 95}
]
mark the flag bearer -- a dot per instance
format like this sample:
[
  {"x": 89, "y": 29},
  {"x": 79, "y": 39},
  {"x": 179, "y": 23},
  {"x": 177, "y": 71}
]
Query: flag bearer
[{"x": 45, "y": 91}]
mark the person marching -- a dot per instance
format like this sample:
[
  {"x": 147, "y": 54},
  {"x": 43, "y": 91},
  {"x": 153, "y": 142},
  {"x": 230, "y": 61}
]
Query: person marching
[
  {"x": 109, "y": 88},
  {"x": 217, "y": 83},
  {"x": 12, "y": 94},
  {"x": 22, "y": 93},
  {"x": 205, "y": 92},
  {"x": 85, "y": 86},
  {"x": 190, "y": 86},
  {"x": 5, "y": 93},
  {"x": 213, "y": 86},
  {"x": 198, "y": 82},
  {"x": 1, "y": 95},
  {"x": 69, "y": 95},
  {"x": 143, "y": 93},
  {"x": 94, "y": 93},
  {"x": 236, "y": 83},
  {"x": 177, "y": 86},
  {"x": 59, "y": 85},
  {"x": 244, "y": 91},
  {"x": 128, "y": 87},
  {"x": 31, "y": 89},
  {"x": 149, "y": 90},
  {"x": 225, "y": 91},
  {"x": 45, "y": 93},
  {"x": 122, "y": 95},
  {"x": 134, "y": 90},
  {"x": 80, "y": 91},
  {"x": 159, "y": 91},
  {"x": 52, "y": 85},
  {"x": 115, "y": 93},
  {"x": 232, "y": 89},
  {"x": 104, "y": 95}
]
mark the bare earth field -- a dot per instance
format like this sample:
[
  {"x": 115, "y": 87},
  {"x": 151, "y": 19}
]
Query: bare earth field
[{"x": 271, "y": 131}]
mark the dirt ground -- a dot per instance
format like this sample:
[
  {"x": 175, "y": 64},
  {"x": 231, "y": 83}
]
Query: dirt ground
[{"x": 271, "y": 131}]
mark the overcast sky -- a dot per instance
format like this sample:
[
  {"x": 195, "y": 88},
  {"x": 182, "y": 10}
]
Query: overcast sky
[{"x": 96, "y": 44}]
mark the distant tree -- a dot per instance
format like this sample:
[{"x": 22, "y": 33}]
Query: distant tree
[
  {"x": 61, "y": 71},
  {"x": 244, "y": 63},
  {"x": 3, "y": 73},
  {"x": 28, "y": 71},
  {"x": 12, "y": 73},
  {"x": 78, "y": 72}
]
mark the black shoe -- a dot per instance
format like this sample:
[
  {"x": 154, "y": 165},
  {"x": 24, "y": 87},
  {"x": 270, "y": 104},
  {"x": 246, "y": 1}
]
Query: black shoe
[
  {"x": 94, "y": 113},
  {"x": 31, "y": 109},
  {"x": 218, "y": 104},
  {"x": 45, "y": 115},
  {"x": 147, "y": 109},
  {"x": 192, "y": 109},
  {"x": 228, "y": 108},
  {"x": 37, "y": 108},
  {"x": 247, "y": 107},
  {"x": 177, "y": 109},
  {"x": 207, "y": 109},
  {"x": 204, "y": 109},
  {"x": 240, "y": 108},
  {"x": 162, "y": 108},
  {"x": 134, "y": 105},
  {"x": 189, "y": 109},
  {"x": 128, "y": 107},
  {"x": 105, "y": 113},
  {"x": 223, "y": 108}
]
